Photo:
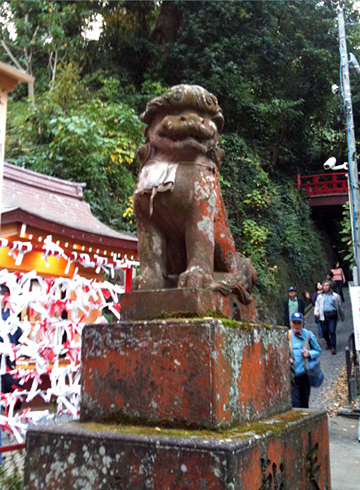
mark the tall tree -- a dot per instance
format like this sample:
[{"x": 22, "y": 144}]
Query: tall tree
[{"x": 41, "y": 35}]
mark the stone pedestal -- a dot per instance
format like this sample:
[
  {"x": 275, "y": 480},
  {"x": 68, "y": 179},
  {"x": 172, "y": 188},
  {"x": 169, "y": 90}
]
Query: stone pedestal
[
  {"x": 200, "y": 373},
  {"x": 290, "y": 451},
  {"x": 189, "y": 303},
  {"x": 209, "y": 400}
]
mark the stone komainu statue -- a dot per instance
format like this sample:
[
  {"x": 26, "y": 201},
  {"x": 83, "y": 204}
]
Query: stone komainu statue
[{"x": 183, "y": 230}]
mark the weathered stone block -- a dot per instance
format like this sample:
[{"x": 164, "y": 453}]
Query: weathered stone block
[
  {"x": 149, "y": 305},
  {"x": 200, "y": 373},
  {"x": 289, "y": 452}
]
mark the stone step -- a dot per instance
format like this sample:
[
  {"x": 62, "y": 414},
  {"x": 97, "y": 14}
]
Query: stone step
[{"x": 289, "y": 451}]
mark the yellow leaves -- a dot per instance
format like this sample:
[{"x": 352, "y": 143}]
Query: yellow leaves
[
  {"x": 112, "y": 158},
  {"x": 129, "y": 213}
]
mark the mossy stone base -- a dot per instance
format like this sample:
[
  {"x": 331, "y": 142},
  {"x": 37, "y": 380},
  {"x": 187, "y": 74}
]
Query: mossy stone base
[
  {"x": 197, "y": 373},
  {"x": 288, "y": 451}
]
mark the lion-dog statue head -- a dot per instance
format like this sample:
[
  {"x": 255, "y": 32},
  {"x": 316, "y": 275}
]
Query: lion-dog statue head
[{"x": 183, "y": 230}]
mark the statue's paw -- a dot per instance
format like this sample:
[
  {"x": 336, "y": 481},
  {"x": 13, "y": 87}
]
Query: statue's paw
[{"x": 195, "y": 278}]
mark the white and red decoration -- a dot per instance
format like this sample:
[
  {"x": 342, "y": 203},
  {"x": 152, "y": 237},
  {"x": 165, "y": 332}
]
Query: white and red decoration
[{"x": 42, "y": 350}]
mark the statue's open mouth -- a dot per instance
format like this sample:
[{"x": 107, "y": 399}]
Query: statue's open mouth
[{"x": 187, "y": 127}]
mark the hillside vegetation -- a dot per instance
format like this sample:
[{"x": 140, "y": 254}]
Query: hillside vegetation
[{"x": 271, "y": 65}]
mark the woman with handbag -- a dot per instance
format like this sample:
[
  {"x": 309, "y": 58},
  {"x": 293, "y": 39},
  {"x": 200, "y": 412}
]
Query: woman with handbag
[
  {"x": 303, "y": 347},
  {"x": 328, "y": 308}
]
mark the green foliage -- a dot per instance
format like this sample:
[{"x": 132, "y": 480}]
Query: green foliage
[
  {"x": 48, "y": 33},
  {"x": 83, "y": 139},
  {"x": 11, "y": 471},
  {"x": 271, "y": 65},
  {"x": 347, "y": 235},
  {"x": 271, "y": 224}
]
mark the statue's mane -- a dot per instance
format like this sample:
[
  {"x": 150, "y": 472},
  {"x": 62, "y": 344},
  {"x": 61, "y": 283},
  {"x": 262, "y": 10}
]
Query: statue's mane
[{"x": 180, "y": 97}]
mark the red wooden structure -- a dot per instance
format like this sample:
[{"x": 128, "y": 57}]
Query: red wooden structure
[{"x": 324, "y": 189}]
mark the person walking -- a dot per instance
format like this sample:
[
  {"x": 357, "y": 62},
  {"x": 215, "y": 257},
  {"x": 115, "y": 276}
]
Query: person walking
[
  {"x": 333, "y": 285},
  {"x": 292, "y": 304},
  {"x": 328, "y": 309},
  {"x": 339, "y": 278},
  {"x": 319, "y": 290},
  {"x": 299, "y": 337}
]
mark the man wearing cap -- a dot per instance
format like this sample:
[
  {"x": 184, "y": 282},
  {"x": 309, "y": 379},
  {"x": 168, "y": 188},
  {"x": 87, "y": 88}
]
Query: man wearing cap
[
  {"x": 292, "y": 304},
  {"x": 298, "y": 338}
]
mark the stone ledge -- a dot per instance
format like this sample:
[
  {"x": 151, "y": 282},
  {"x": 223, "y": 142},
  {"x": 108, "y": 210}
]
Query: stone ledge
[
  {"x": 149, "y": 305},
  {"x": 72, "y": 456}
]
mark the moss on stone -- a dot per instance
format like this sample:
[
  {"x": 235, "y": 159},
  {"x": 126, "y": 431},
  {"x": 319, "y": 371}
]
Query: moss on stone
[
  {"x": 229, "y": 323},
  {"x": 277, "y": 425},
  {"x": 181, "y": 315},
  {"x": 210, "y": 314}
]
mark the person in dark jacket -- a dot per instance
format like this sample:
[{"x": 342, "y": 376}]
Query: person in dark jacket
[
  {"x": 8, "y": 382},
  {"x": 292, "y": 304},
  {"x": 333, "y": 285},
  {"x": 319, "y": 290}
]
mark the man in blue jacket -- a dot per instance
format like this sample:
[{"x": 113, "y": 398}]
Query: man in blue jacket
[{"x": 299, "y": 339}]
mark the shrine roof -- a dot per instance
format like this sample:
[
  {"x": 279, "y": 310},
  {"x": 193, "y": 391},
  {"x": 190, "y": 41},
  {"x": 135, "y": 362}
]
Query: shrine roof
[
  {"x": 48, "y": 202},
  {"x": 11, "y": 76}
]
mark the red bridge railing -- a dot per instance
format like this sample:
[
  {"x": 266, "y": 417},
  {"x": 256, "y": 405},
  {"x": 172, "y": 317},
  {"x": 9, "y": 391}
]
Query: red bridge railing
[{"x": 323, "y": 184}]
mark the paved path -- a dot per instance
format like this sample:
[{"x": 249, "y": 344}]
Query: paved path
[
  {"x": 330, "y": 364},
  {"x": 343, "y": 432},
  {"x": 344, "y": 453}
]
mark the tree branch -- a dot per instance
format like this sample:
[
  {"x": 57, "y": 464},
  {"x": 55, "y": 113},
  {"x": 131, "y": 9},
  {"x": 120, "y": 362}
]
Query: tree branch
[{"x": 12, "y": 57}]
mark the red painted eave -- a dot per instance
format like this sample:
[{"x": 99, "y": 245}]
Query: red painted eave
[
  {"x": 56, "y": 206},
  {"x": 22, "y": 217}
]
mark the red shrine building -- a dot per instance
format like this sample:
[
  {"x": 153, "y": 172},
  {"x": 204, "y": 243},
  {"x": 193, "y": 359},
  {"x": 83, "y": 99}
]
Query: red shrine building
[{"x": 42, "y": 215}]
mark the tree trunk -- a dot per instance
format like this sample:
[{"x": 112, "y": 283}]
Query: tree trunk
[
  {"x": 31, "y": 94},
  {"x": 280, "y": 141},
  {"x": 168, "y": 24}
]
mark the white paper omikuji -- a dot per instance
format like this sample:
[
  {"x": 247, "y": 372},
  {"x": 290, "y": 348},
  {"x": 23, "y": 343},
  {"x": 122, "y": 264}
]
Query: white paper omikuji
[{"x": 43, "y": 342}]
